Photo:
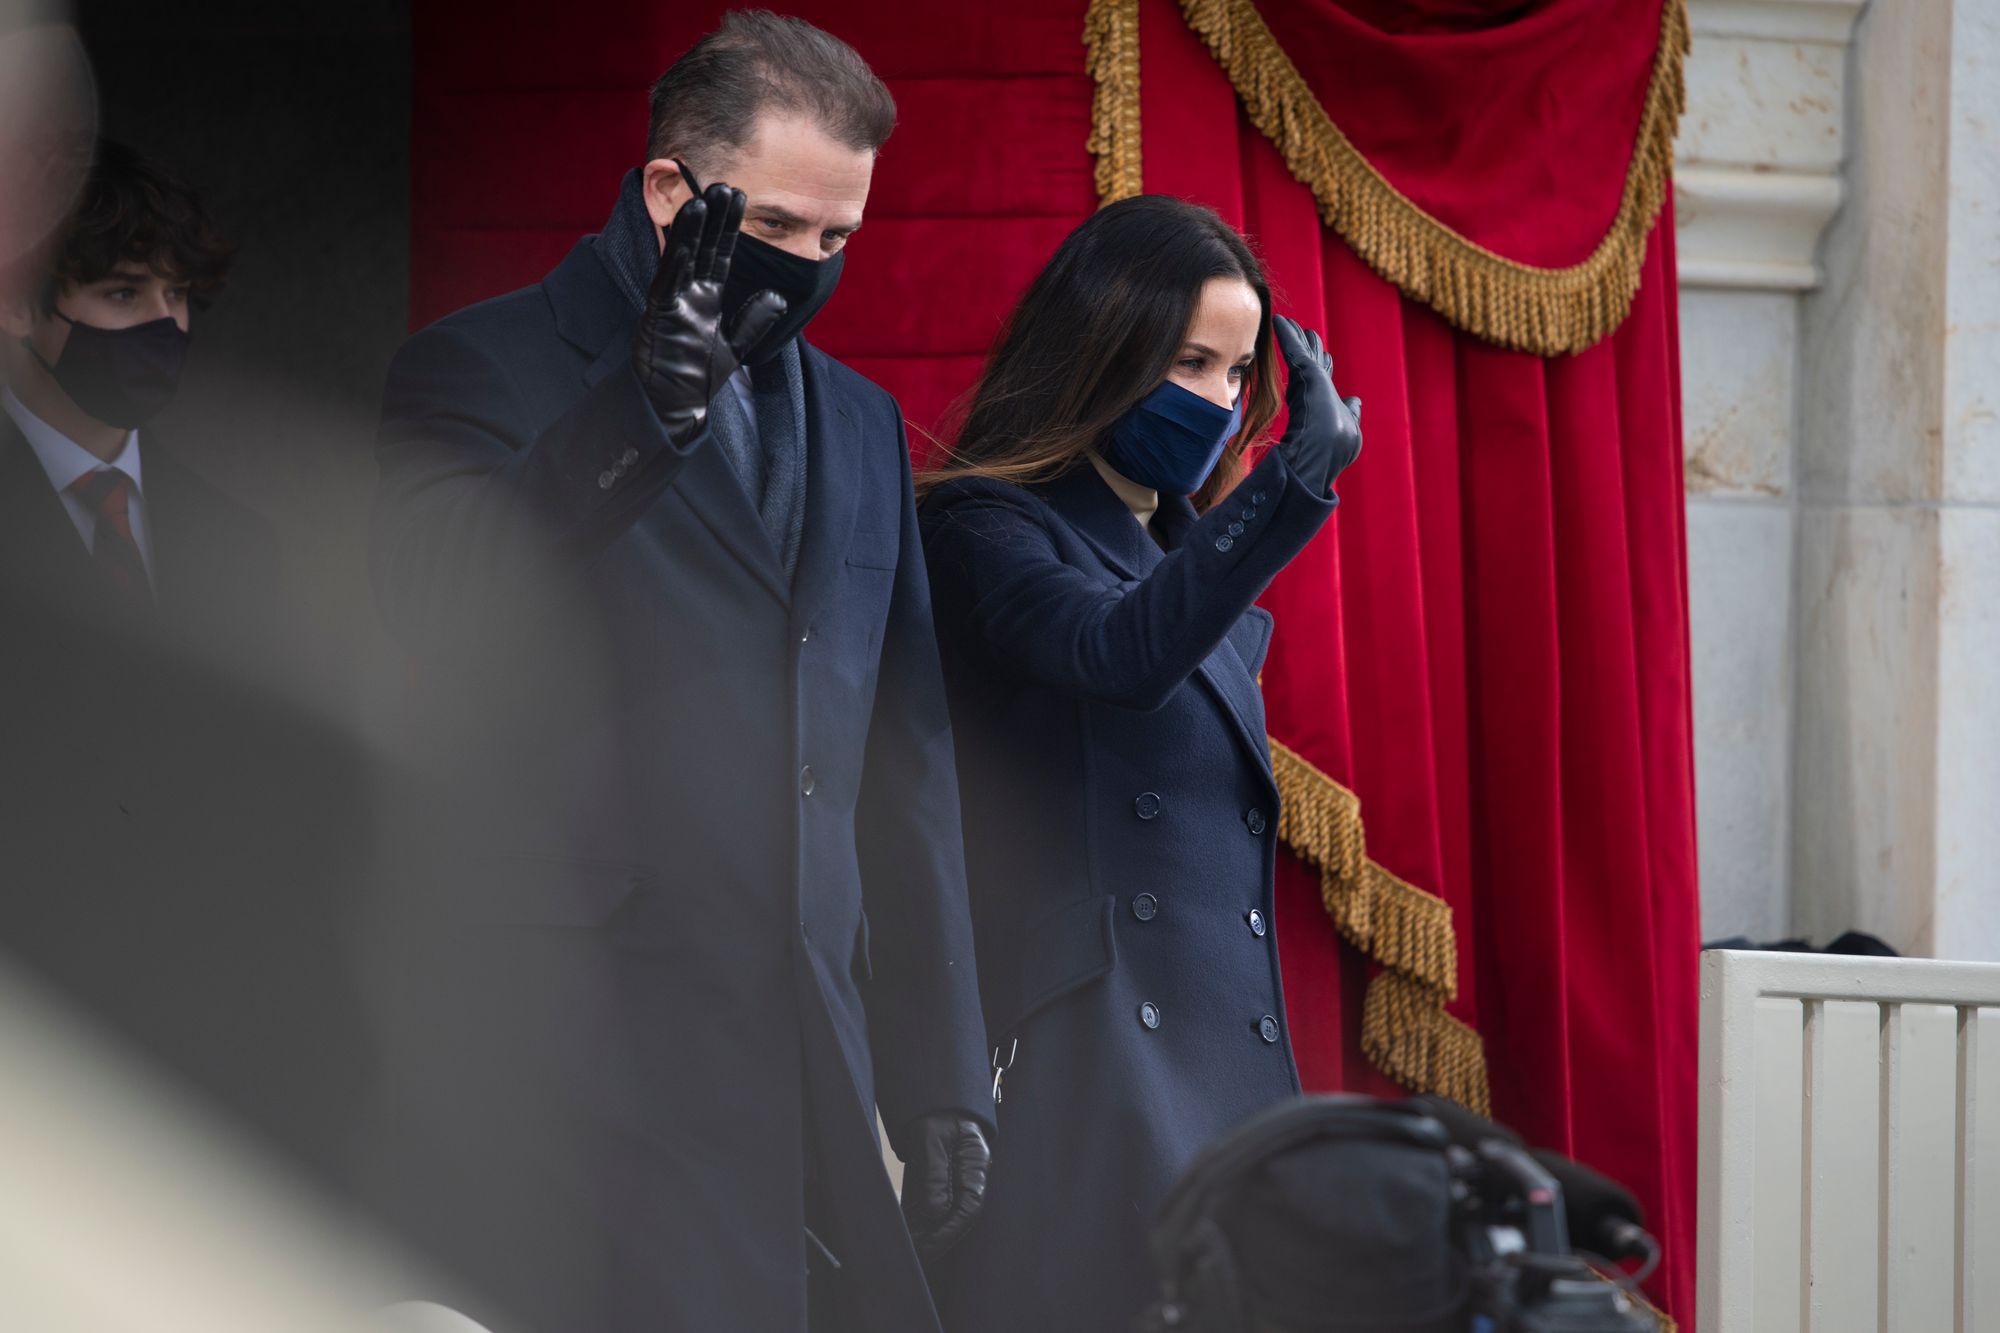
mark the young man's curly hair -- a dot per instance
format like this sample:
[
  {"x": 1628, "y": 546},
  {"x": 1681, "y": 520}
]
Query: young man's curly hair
[{"x": 131, "y": 209}]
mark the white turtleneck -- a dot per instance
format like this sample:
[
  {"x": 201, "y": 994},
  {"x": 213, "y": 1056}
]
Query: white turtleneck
[{"x": 1143, "y": 501}]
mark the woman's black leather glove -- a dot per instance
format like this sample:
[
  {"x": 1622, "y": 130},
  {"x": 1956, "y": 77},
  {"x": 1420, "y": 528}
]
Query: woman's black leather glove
[
  {"x": 1323, "y": 433},
  {"x": 944, "y": 1182},
  {"x": 683, "y": 353}
]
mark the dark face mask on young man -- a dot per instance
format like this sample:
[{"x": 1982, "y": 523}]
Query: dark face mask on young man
[
  {"x": 759, "y": 266},
  {"x": 1171, "y": 439},
  {"x": 122, "y": 377}
]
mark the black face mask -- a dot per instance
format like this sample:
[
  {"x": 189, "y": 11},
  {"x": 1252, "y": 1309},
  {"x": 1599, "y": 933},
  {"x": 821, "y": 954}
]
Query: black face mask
[
  {"x": 121, "y": 377},
  {"x": 759, "y": 266}
]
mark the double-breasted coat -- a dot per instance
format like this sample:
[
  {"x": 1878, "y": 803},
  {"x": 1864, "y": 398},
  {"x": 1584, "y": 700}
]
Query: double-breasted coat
[
  {"x": 1121, "y": 828},
  {"x": 694, "y": 903}
]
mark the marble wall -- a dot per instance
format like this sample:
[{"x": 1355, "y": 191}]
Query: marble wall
[
  {"x": 1757, "y": 177},
  {"x": 1840, "y": 263}
]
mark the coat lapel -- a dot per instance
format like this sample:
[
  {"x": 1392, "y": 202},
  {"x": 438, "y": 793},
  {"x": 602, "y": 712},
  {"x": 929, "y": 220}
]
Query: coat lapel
[
  {"x": 1102, "y": 519},
  {"x": 1226, "y": 671},
  {"x": 595, "y": 318},
  {"x": 40, "y": 551},
  {"x": 834, "y": 473},
  {"x": 1081, "y": 496},
  {"x": 175, "y": 521}
]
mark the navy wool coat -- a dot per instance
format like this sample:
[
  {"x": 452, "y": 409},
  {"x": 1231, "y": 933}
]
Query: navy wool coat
[
  {"x": 1121, "y": 829},
  {"x": 687, "y": 897}
]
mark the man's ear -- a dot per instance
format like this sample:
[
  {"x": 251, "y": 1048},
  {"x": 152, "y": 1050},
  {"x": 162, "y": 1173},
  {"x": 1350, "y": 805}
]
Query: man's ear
[{"x": 663, "y": 189}]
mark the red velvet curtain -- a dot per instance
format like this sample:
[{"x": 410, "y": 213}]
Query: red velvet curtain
[
  {"x": 1489, "y": 646},
  {"x": 1490, "y": 643}
]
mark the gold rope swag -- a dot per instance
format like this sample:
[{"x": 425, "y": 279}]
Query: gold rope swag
[
  {"x": 1405, "y": 1030},
  {"x": 1546, "y": 311}
]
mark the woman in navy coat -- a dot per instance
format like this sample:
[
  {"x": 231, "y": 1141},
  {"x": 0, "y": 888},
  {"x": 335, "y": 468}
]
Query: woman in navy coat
[{"x": 1095, "y": 547}]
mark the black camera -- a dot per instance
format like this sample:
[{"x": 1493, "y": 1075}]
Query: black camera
[{"x": 1351, "y": 1214}]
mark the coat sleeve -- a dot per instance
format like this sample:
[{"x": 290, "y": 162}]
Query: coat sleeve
[
  {"x": 481, "y": 514},
  {"x": 1015, "y": 602},
  {"x": 926, "y": 1030}
]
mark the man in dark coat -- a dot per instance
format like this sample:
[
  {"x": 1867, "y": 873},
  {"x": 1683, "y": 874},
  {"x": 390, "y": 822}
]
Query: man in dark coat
[
  {"x": 174, "y": 826},
  {"x": 696, "y": 904}
]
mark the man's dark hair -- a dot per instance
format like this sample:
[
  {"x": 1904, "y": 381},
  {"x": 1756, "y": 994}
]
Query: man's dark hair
[
  {"x": 709, "y": 98},
  {"x": 132, "y": 209}
]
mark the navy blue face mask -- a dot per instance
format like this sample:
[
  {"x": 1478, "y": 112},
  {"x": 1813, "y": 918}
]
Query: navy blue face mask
[{"x": 1171, "y": 439}]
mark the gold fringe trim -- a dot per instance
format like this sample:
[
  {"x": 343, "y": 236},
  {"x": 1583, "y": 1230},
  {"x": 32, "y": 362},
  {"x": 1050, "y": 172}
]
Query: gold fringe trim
[
  {"x": 1666, "y": 1321},
  {"x": 1546, "y": 311},
  {"x": 1405, "y": 1030},
  {"x": 1111, "y": 53}
]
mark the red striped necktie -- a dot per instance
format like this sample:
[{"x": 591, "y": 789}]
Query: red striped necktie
[{"x": 107, "y": 493}]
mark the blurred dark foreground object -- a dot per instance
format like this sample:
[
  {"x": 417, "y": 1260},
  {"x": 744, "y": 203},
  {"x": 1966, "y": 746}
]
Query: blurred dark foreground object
[
  {"x": 1853, "y": 943},
  {"x": 1353, "y": 1215},
  {"x": 181, "y": 832},
  {"x": 48, "y": 118},
  {"x": 182, "y": 827}
]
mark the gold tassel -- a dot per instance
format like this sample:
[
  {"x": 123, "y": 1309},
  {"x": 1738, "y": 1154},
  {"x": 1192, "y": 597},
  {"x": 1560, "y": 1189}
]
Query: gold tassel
[
  {"x": 1111, "y": 53},
  {"x": 1405, "y": 1031},
  {"x": 1546, "y": 311}
]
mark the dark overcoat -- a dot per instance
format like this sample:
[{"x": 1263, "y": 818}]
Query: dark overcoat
[
  {"x": 698, "y": 901},
  {"x": 1121, "y": 828}
]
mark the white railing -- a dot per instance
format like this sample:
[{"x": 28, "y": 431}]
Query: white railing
[{"x": 1850, "y": 1145}]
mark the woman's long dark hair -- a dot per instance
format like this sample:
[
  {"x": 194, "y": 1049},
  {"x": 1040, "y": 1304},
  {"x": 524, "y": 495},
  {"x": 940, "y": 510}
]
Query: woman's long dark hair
[{"x": 1098, "y": 329}]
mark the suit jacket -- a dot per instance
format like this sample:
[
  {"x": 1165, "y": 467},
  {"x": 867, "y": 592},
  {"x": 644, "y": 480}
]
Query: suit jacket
[
  {"x": 1121, "y": 826},
  {"x": 175, "y": 827},
  {"x": 702, "y": 890}
]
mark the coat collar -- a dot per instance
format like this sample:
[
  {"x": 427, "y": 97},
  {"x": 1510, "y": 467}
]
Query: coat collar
[
  {"x": 1094, "y": 510},
  {"x": 591, "y": 313}
]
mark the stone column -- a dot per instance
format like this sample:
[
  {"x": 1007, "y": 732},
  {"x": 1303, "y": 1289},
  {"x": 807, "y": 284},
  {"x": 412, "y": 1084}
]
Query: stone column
[
  {"x": 1896, "y": 800},
  {"x": 1757, "y": 178}
]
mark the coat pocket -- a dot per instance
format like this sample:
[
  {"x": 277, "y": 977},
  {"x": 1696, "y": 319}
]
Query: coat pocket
[
  {"x": 1057, "y": 956},
  {"x": 874, "y": 550},
  {"x": 532, "y": 890}
]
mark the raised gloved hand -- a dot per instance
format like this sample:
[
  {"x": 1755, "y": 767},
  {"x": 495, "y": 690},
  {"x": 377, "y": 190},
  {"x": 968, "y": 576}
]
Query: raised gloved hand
[
  {"x": 1323, "y": 433},
  {"x": 944, "y": 1182},
  {"x": 683, "y": 352}
]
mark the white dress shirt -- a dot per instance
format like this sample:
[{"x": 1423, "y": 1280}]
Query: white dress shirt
[{"x": 65, "y": 461}]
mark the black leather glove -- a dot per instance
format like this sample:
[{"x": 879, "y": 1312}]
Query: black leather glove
[
  {"x": 682, "y": 352},
  {"x": 944, "y": 1182},
  {"x": 1323, "y": 433}
]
